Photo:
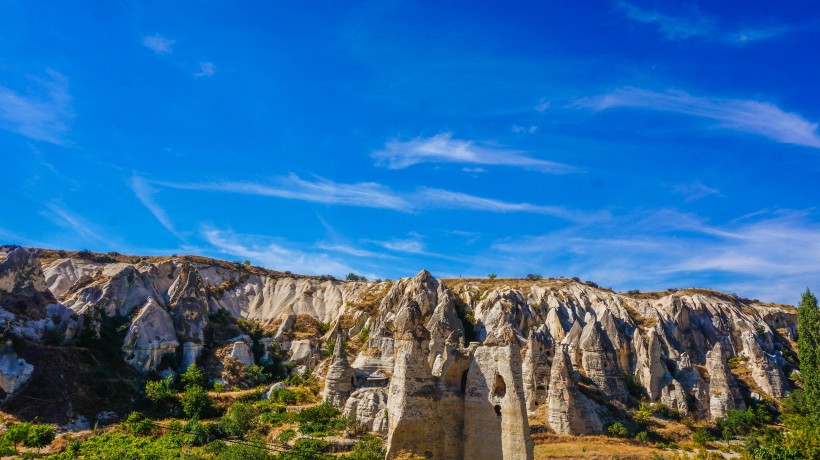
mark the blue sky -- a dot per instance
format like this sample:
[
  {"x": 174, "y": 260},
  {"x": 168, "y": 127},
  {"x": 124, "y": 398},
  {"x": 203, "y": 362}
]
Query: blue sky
[{"x": 641, "y": 145}]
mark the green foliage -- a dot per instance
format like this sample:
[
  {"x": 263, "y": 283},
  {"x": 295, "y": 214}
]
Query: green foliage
[
  {"x": 321, "y": 419},
  {"x": 307, "y": 449},
  {"x": 618, "y": 430},
  {"x": 196, "y": 402},
  {"x": 137, "y": 424},
  {"x": 354, "y": 277},
  {"x": 742, "y": 422},
  {"x": 292, "y": 397},
  {"x": 492, "y": 276},
  {"x": 17, "y": 433},
  {"x": 364, "y": 334},
  {"x": 6, "y": 448},
  {"x": 535, "y": 276},
  {"x": 220, "y": 387},
  {"x": 369, "y": 447},
  {"x": 39, "y": 436},
  {"x": 121, "y": 445},
  {"x": 808, "y": 344},
  {"x": 193, "y": 376},
  {"x": 666, "y": 412},
  {"x": 239, "y": 419},
  {"x": 286, "y": 435},
  {"x": 643, "y": 436},
  {"x": 642, "y": 415},
  {"x": 701, "y": 436},
  {"x": 160, "y": 391}
]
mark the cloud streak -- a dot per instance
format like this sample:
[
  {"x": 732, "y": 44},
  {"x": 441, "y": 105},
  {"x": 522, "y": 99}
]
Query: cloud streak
[
  {"x": 145, "y": 194},
  {"x": 443, "y": 148},
  {"x": 273, "y": 255},
  {"x": 666, "y": 248},
  {"x": 699, "y": 25},
  {"x": 760, "y": 118},
  {"x": 159, "y": 44},
  {"x": 378, "y": 196},
  {"x": 44, "y": 116}
]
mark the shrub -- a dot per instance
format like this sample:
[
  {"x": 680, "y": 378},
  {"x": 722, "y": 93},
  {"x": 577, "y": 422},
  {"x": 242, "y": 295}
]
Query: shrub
[
  {"x": 535, "y": 276},
  {"x": 137, "y": 424},
  {"x": 160, "y": 391},
  {"x": 492, "y": 276},
  {"x": 369, "y": 447},
  {"x": 642, "y": 415},
  {"x": 196, "y": 402},
  {"x": 193, "y": 376},
  {"x": 39, "y": 436},
  {"x": 643, "y": 436},
  {"x": 664, "y": 411},
  {"x": 220, "y": 387},
  {"x": 354, "y": 277},
  {"x": 239, "y": 419},
  {"x": 320, "y": 419},
  {"x": 286, "y": 435},
  {"x": 618, "y": 430},
  {"x": 701, "y": 436},
  {"x": 17, "y": 433}
]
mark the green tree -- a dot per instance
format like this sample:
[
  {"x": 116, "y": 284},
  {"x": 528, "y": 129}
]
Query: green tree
[
  {"x": 39, "y": 436},
  {"x": 195, "y": 402},
  {"x": 193, "y": 376},
  {"x": 160, "y": 391},
  {"x": 701, "y": 436},
  {"x": 808, "y": 345},
  {"x": 369, "y": 447},
  {"x": 17, "y": 433},
  {"x": 618, "y": 430}
]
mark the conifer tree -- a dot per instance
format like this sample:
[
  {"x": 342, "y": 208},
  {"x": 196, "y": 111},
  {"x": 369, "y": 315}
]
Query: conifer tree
[{"x": 808, "y": 344}]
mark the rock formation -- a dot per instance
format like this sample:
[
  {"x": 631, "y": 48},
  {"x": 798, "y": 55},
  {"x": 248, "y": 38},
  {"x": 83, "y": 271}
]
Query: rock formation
[
  {"x": 340, "y": 379},
  {"x": 582, "y": 345}
]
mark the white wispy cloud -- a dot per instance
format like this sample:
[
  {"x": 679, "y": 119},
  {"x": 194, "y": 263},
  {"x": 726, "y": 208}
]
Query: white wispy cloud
[
  {"x": 695, "y": 191},
  {"x": 145, "y": 194},
  {"x": 443, "y": 148},
  {"x": 64, "y": 217},
  {"x": 43, "y": 115},
  {"x": 741, "y": 115},
  {"x": 770, "y": 256},
  {"x": 524, "y": 129},
  {"x": 319, "y": 190},
  {"x": 159, "y": 44},
  {"x": 699, "y": 24},
  {"x": 262, "y": 251},
  {"x": 206, "y": 69},
  {"x": 375, "y": 195},
  {"x": 351, "y": 250},
  {"x": 455, "y": 200}
]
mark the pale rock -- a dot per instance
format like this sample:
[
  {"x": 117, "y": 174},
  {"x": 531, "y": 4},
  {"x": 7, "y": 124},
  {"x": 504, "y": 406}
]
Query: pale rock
[
  {"x": 369, "y": 407},
  {"x": 150, "y": 336}
]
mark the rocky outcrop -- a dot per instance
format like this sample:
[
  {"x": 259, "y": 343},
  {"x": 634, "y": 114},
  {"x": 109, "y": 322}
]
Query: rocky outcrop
[
  {"x": 14, "y": 371},
  {"x": 536, "y": 373},
  {"x": 150, "y": 337},
  {"x": 340, "y": 379},
  {"x": 369, "y": 407},
  {"x": 568, "y": 410},
  {"x": 723, "y": 392}
]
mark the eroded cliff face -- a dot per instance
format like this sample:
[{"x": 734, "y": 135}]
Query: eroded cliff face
[{"x": 552, "y": 350}]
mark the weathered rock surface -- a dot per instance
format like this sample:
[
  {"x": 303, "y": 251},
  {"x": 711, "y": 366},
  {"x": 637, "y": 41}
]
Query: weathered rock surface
[
  {"x": 581, "y": 344},
  {"x": 369, "y": 407},
  {"x": 340, "y": 379}
]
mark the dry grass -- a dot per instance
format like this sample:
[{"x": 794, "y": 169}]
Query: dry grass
[
  {"x": 640, "y": 320},
  {"x": 588, "y": 447}
]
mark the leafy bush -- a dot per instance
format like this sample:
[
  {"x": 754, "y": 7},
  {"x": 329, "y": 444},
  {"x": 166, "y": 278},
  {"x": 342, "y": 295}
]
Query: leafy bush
[
  {"x": 193, "y": 376},
  {"x": 320, "y": 419},
  {"x": 195, "y": 402},
  {"x": 701, "y": 436},
  {"x": 618, "y": 430},
  {"x": 290, "y": 397},
  {"x": 39, "y": 436},
  {"x": 643, "y": 436},
  {"x": 239, "y": 419},
  {"x": 535, "y": 277},
  {"x": 643, "y": 415},
  {"x": 160, "y": 391},
  {"x": 664, "y": 411},
  {"x": 492, "y": 276},
  {"x": 286, "y": 435},
  {"x": 354, "y": 277},
  {"x": 369, "y": 447},
  {"x": 17, "y": 433},
  {"x": 137, "y": 424}
]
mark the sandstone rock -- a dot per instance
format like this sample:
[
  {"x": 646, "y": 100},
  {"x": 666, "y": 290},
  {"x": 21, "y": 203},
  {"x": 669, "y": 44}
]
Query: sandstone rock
[
  {"x": 723, "y": 392},
  {"x": 569, "y": 411},
  {"x": 340, "y": 379},
  {"x": 369, "y": 407},
  {"x": 150, "y": 336},
  {"x": 14, "y": 371}
]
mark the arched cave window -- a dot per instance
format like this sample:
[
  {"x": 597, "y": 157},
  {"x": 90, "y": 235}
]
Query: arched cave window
[
  {"x": 464, "y": 381},
  {"x": 497, "y": 410}
]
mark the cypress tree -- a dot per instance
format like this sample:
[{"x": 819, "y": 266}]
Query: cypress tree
[{"x": 808, "y": 344}]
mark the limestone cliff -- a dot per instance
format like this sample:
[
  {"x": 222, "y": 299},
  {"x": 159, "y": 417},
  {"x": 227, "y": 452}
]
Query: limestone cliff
[{"x": 560, "y": 350}]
